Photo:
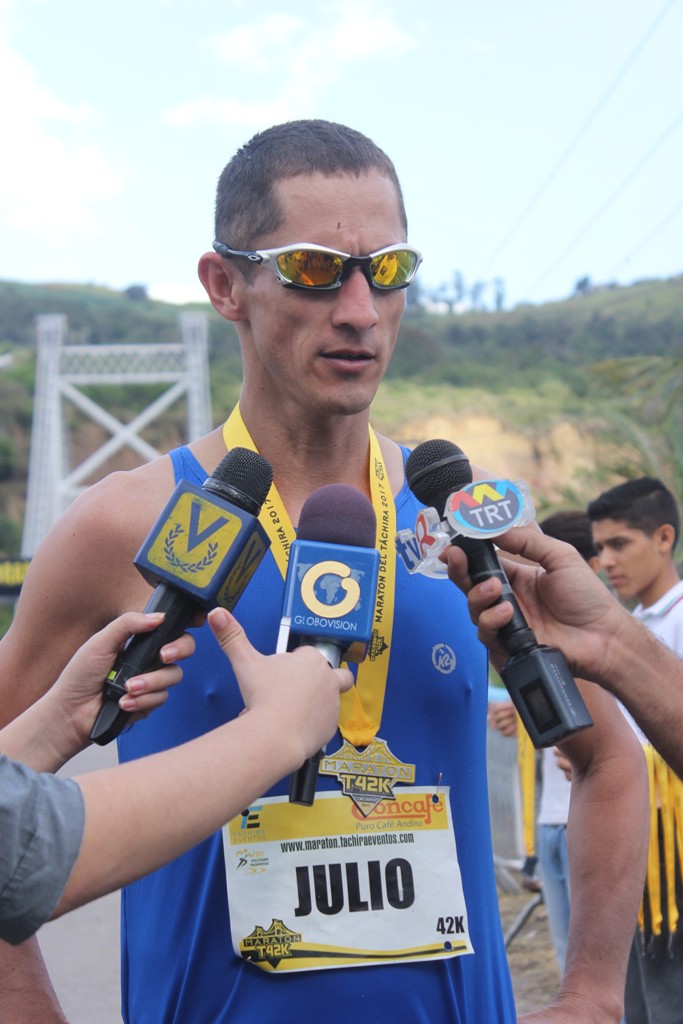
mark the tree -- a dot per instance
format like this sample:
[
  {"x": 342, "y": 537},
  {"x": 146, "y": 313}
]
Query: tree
[
  {"x": 7, "y": 457},
  {"x": 459, "y": 289},
  {"x": 477, "y": 295},
  {"x": 137, "y": 293},
  {"x": 499, "y": 294},
  {"x": 650, "y": 420}
]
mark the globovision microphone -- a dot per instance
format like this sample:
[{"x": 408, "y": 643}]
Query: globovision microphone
[
  {"x": 537, "y": 678},
  {"x": 330, "y": 592},
  {"x": 201, "y": 552}
]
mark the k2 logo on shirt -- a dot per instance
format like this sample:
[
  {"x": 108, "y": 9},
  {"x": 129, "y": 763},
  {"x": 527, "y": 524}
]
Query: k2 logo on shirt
[{"x": 443, "y": 659}]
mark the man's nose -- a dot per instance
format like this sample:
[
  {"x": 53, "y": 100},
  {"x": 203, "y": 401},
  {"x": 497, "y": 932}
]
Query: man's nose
[
  {"x": 355, "y": 304},
  {"x": 606, "y": 557}
]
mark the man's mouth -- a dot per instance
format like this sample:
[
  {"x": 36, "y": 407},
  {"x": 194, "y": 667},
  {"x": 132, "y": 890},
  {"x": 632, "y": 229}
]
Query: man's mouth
[{"x": 351, "y": 357}]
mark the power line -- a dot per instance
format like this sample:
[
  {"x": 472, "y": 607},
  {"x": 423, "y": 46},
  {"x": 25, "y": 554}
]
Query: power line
[
  {"x": 552, "y": 174},
  {"x": 610, "y": 200},
  {"x": 648, "y": 238}
]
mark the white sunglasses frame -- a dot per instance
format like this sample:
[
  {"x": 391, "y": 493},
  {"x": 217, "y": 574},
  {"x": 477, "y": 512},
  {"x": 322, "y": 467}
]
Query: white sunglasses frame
[{"x": 268, "y": 258}]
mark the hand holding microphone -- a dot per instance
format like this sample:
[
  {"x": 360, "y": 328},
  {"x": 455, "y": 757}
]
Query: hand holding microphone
[
  {"x": 537, "y": 678},
  {"x": 330, "y": 591},
  {"x": 201, "y": 552},
  {"x": 435, "y": 471}
]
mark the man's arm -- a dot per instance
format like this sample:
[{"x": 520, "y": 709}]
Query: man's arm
[
  {"x": 568, "y": 607},
  {"x": 607, "y": 833},
  {"x": 26, "y": 992},
  {"x": 607, "y": 828},
  {"x": 135, "y": 817},
  {"x": 140, "y": 815},
  {"x": 81, "y": 577}
]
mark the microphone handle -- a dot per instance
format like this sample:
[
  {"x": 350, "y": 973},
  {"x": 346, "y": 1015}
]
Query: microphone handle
[
  {"x": 303, "y": 782},
  {"x": 141, "y": 654},
  {"x": 483, "y": 563}
]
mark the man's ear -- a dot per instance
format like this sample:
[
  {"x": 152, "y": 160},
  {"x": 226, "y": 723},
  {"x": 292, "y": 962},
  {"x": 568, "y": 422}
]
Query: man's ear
[
  {"x": 223, "y": 284},
  {"x": 665, "y": 536}
]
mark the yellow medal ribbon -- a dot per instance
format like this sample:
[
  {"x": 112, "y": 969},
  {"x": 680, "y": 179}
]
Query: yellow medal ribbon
[
  {"x": 666, "y": 806},
  {"x": 362, "y": 705},
  {"x": 653, "y": 863},
  {"x": 664, "y": 860},
  {"x": 526, "y": 760}
]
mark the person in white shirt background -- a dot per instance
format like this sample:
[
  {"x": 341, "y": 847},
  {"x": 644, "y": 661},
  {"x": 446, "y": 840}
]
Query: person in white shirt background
[{"x": 635, "y": 528}]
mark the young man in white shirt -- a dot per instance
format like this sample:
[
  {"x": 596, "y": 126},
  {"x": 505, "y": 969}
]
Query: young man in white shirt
[{"x": 635, "y": 529}]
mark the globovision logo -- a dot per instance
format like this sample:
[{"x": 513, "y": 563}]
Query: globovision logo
[{"x": 338, "y": 579}]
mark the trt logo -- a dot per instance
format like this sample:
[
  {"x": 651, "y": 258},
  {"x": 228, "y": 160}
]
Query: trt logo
[{"x": 487, "y": 508}]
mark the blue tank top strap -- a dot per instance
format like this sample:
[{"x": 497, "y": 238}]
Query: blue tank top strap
[{"x": 186, "y": 466}]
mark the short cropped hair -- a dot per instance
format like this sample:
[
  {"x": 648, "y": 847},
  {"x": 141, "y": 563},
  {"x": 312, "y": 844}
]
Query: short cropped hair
[
  {"x": 574, "y": 527},
  {"x": 643, "y": 504},
  {"x": 246, "y": 203}
]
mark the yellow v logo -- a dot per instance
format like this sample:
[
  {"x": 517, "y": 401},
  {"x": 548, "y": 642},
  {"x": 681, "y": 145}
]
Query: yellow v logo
[{"x": 195, "y": 536}]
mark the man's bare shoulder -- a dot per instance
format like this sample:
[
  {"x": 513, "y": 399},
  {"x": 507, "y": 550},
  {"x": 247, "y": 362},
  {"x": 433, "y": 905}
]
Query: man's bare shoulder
[
  {"x": 108, "y": 522},
  {"x": 123, "y": 504},
  {"x": 81, "y": 577}
]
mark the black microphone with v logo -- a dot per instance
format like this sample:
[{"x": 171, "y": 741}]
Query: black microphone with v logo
[{"x": 201, "y": 552}]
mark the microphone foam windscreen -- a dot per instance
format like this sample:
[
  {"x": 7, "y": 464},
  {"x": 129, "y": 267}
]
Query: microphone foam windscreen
[
  {"x": 242, "y": 472},
  {"x": 435, "y": 469},
  {"x": 338, "y": 514}
]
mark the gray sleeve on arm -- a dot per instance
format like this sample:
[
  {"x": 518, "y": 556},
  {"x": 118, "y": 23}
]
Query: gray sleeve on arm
[{"x": 41, "y": 828}]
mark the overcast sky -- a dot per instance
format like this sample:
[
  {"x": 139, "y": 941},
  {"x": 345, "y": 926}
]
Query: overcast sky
[{"x": 537, "y": 142}]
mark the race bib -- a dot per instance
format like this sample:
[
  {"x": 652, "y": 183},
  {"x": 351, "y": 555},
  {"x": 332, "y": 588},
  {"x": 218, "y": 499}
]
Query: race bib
[{"x": 327, "y": 886}]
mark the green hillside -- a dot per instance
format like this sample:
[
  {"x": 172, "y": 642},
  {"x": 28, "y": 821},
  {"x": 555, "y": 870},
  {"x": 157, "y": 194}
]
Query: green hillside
[
  {"x": 542, "y": 359},
  {"x": 558, "y": 338},
  {"x": 642, "y": 319}
]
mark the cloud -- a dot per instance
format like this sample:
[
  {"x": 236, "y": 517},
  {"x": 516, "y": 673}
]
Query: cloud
[
  {"x": 256, "y": 45},
  {"x": 294, "y": 62},
  {"x": 53, "y": 177},
  {"x": 226, "y": 110},
  {"x": 178, "y": 294}
]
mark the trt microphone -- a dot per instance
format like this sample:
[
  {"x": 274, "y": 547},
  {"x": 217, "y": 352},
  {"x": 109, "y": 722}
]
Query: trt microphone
[
  {"x": 330, "y": 591},
  {"x": 201, "y": 552},
  {"x": 537, "y": 678}
]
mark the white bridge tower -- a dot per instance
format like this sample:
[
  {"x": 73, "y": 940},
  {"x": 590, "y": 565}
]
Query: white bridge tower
[{"x": 63, "y": 369}]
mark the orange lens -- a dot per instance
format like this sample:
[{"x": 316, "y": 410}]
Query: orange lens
[
  {"x": 393, "y": 269},
  {"x": 310, "y": 268}
]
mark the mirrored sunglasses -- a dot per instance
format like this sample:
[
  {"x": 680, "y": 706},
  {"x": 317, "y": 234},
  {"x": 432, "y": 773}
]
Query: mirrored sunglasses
[{"x": 310, "y": 266}]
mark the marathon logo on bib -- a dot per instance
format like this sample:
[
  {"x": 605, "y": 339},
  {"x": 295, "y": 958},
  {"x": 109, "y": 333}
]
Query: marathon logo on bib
[{"x": 269, "y": 945}]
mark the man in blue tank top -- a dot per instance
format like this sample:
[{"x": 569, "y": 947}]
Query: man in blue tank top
[{"x": 379, "y": 901}]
